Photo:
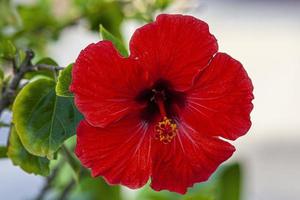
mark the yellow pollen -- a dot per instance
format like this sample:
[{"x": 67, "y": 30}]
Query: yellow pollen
[{"x": 166, "y": 130}]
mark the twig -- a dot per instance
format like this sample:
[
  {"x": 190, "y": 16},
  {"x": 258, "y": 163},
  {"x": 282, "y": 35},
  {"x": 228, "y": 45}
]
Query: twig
[
  {"x": 10, "y": 91},
  {"x": 77, "y": 168},
  {"x": 68, "y": 157},
  {"x": 67, "y": 190},
  {"x": 14, "y": 64},
  {"x": 2, "y": 124},
  {"x": 48, "y": 67},
  {"x": 52, "y": 68},
  {"x": 49, "y": 181}
]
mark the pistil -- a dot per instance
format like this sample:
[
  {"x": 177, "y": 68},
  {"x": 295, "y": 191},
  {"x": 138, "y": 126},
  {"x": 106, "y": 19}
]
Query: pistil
[{"x": 165, "y": 129}]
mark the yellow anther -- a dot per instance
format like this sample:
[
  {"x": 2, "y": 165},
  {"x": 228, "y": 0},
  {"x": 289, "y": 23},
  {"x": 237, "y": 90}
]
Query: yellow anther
[{"x": 165, "y": 130}]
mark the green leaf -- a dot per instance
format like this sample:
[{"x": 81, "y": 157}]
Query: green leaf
[
  {"x": 224, "y": 184},
  {"x": 199, "y": 197},
  {"x": 1, "y": 74},
  {"x": 43, "y": 72},
  {"x": 95, "y": 188},
  {"x": 146, "y": 193},
  {"x": 20, "y": 56},
  {"x": 3, "y": 151},
  {"x": 1, "y": 80},
  {"x": 7, "y": 49},
  {"x": 39, "y": 24},
  {"x": 42, "y": 119},
  {"x": 20, "y": 157},
  {"x": 230, "y": 183},
  {"x": 48, "y": 61},
  {"x": 64, "y": 81},
  {"x": 111, "y": 15},
  {"x": 162, "y": 4},
  {"x": 116, "y": 41},
  {"x": 87, "y": 188},
  {"x": 8, "y": 15}
]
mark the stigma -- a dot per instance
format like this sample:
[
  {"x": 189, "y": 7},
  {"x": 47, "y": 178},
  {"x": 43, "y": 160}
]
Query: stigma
[{"x": 165, "y": 130}]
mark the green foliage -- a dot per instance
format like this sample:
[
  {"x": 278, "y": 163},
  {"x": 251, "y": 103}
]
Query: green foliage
[
  {"x": 38, "y": 25},
  {"x": 64, "y": 81},
  {"x": 43, "y": 120},
  {"x": 108, "y": 13},
  {"x": 73, "y": 162},
  {"x": 1, "y": 80},
  {"x": 162, "y": 4},
  {"x": 32, "y": 23},
  {"x": 65, "y": 174},
  {"x": 225, "y": 184},
  {"x": 87, "y": 187},
  {"x": 1, "y": 74},
  {"x": 7, "y": 50},
  {"x": 3, "y": 151},
  {"x": 20, "y": 56},
  {"x": 95, "y": 188},
  {"x": 21, "y": 157},
  {"x": 8, "y": 17},
  {"x": 230, "y": 183},
  {"x": 116, "y": 41}
]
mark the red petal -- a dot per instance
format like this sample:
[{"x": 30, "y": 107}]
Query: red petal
[
  {"x": 220, "y": 101},
  {"x": 174, "y": 47},
  {"x": 121, "y": 153},
  {"x": 105, "y": 84},
  {"x": 190, "y": 158}
]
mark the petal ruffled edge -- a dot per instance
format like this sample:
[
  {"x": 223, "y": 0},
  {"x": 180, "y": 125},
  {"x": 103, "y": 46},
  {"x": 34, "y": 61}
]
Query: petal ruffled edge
[
  {"x": 174, "y": 47},
  {"x": 190, "y": 158},
  {"x": 105, "y": 84},
  {"x": 120, "y": 153},
  {"x": 220, "y": 102}
]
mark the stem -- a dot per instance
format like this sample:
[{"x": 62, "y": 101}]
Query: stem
[
  {"x": 49, "y": 181},
  {"x": 67, "y": 190},
  {"x": 71, "y": 160}
]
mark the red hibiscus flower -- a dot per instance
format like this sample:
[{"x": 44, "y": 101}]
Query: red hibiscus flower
[{"x": 162, "y": 112}]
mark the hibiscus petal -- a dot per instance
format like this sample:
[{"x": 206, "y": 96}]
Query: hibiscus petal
[
  {"x": 220, "y": 101},
  {"x": 175, "y": 47},
  {"x": 190, "y": 158},
  {"x": 120, "y": 153},
  {"x": 105, "y": 84}
]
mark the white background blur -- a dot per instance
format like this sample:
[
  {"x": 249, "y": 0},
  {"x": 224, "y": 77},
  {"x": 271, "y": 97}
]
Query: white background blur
[{"x": 265, "y": 36}]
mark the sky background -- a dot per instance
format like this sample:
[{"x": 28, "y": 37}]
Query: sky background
[{"x": 264, "y": 36}]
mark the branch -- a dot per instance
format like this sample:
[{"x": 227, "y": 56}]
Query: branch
[
  {"x": 10, "y": 91},
  {"x": 2, "y": 124},
  {"x": 48, "y": 67}
]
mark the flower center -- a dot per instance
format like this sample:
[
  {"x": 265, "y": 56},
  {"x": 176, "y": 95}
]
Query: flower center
[
  {"x": 161, "y": 101},
  {"x": 165, "y": 129}
]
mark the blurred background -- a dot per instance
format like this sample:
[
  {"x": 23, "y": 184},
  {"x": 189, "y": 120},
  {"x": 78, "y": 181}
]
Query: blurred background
[{"x": 263, "y": 34}]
